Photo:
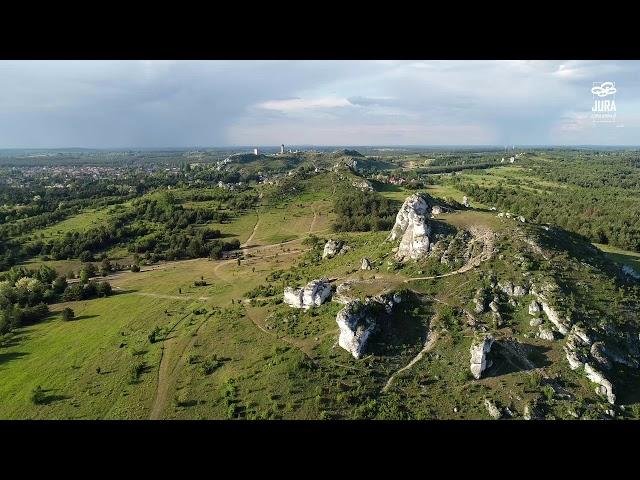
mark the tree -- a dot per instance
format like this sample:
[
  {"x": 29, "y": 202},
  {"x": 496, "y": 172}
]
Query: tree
[
  {"x": 105, "y": 267},
  {"x": 86, "y": 256},
  {"x": 60, "y": 284},
  {"x": 68, "y": 314}
]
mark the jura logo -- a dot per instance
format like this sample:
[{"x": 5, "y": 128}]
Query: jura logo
[
  {"x": 604, "y": 89},
  {"x": 601, "y": 90}
]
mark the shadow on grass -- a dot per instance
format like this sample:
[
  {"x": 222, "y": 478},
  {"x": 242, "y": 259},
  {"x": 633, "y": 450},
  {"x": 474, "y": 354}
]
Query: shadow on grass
[
  {"x": 9, "y": 356},
  {"x": 53, "y": 397},
  {"x": 504, "y": 362},
  {"x": 83, "y": 317}
]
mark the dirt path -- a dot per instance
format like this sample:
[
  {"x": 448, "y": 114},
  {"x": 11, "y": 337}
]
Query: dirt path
[
  {"x": 163, "y": 383},
  {"x": 428, "y": 345},
  {"x": 313, "y": 222},
  {"x": 255, "y": 228}
]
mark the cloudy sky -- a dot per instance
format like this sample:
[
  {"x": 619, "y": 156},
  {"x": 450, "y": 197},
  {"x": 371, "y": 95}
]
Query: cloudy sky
[{"x": 123, "y": 104}]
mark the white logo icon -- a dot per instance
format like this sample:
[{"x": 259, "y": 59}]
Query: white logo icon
[{"x": 604, "y": 89}]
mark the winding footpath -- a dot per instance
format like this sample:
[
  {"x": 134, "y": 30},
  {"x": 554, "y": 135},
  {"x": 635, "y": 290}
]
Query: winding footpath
[{"x": 428, "y": 345}]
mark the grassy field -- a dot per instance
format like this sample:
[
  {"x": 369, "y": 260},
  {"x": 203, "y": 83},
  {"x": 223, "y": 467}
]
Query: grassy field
[
  {"x": 80, "y": 222},
  {"x": 624, "y": 257}
]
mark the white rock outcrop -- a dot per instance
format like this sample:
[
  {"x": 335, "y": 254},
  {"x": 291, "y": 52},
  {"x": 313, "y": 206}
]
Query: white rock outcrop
[
  {"x": 331, "y": 248},
  {"x": 562, "y": 324},
  {"x": 605, "y": 386},
  {"x": 465, "y": 201},
  {"x": 293, "y": 297},
  {"x": 535, "y": 322},
  {"x": 356, "y": 325},
  {"x": 479, "y": 350},
  {"x": 314, "y": 294},
  {"x": 357, "y": 321},
  {"x": 366, "y": 264},
  {"x": 545, "y": 333},
  {"x": 534, "y": 308},
  {"x": 412, "y": 228},
  {"x": 492, "y": 409}
]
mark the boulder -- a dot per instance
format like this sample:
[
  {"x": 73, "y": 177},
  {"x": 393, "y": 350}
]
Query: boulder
[
  {"x": 507, "y": 288},
  {"x": 534, "y": 308},
  {"x": 545, "y": 333},
  {"x": 465, "y": 201},
  {"x": 536, "y": 322},
  {"x": 479, "y": 301},
  {"x": 356, "y": 325},
  {"x": 479, "y": 349},
  {"x": 519, "y": 291},
  {"x": 313, "y": 294},
  {"x": 357, "y": 321},
  {"x": 316, "y": 292},
  {"x": 493, "y": 410},
  {"x": 331, "y": 248},
  {"x": 293, "y": 297},
  {"x": 412, "y": 228},
  {"x": 366, "y": 264}
]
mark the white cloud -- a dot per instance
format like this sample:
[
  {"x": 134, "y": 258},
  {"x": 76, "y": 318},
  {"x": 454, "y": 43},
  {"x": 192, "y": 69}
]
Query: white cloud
[{"x": 297, "y": 104}]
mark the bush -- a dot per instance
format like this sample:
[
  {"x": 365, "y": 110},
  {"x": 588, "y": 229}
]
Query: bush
[
  {"x": 210, "y": 365},
  {"x": 68, "y": 314},
  {"x": 154, "y": 335},
  {"x": 135, "y": 370},
  {"x": 135, "y": 268},
  {"x": 38, "y": 396}
]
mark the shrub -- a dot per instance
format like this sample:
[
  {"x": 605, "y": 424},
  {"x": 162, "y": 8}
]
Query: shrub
[
  {"x": 154, "y": 335},
  {"x": 135, "y": 268},
  {"x": 210, "y": 365},
  {"x": 68, "y": 314},
  {"x": 38, "y": 396},
  {"x": 135, "y": 370}
]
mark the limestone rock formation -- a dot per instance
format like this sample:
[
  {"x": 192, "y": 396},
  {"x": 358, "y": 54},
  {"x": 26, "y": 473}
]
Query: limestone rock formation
[
  {"x": 597, "y": 351},
  {"x": 357, "y": 321},
  {"x": 356, "y": 325},
  {"x": 479, "y": 350},
  {"x": 412, "y": 228},
  {"x": 534, "y": 308},
  {"x": 535, "y": 322},
  {"x": 313, "y": 294},
  {"x": 332, "y": 248},
  {"x": 465, "y": 201},
  {"x": 605, "y": 386},
  {"x": 479, "y": 301},
  {"x": 366, "y": 264},
  {"x": 493, "y": 410},
  {"x": 545, "y": 333}
]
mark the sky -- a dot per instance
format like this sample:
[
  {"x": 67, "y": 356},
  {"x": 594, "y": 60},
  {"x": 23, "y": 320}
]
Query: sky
[{"x": 163, "y": 104}]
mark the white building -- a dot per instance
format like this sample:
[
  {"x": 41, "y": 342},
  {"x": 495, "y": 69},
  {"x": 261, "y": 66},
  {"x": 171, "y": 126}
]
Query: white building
[
  {"x": 255, "y": 151},
  {"x": 282, "y": 148}
]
